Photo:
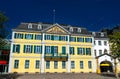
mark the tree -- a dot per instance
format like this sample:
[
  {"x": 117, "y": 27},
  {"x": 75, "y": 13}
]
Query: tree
[
  {"x": 3, "y": 30},
  {"x": 115, "y": 44}
]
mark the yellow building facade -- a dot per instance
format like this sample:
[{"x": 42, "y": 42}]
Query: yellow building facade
[{"x": 51, "y": 48}]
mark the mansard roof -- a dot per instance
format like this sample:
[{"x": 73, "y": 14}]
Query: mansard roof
[
  {"x": 24, "y": 27},
  {"x": 99, "y": 35}
]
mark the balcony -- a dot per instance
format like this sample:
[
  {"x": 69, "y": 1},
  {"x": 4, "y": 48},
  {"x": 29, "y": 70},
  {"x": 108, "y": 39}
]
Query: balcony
[{"x": 56, "y": 57}]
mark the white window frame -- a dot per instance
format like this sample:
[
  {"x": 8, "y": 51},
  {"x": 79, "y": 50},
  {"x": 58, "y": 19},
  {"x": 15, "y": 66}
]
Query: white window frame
[
  {"x": 39, "y": 26},
  {"x": 79, "y": 29},
  {"x": 30, "y": 26}
]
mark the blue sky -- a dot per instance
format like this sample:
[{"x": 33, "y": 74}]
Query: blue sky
[{"x": 92, "y": 14}]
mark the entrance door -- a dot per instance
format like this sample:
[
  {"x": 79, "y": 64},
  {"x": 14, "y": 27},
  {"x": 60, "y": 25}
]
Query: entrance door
[{"x": 106, "y": 67}]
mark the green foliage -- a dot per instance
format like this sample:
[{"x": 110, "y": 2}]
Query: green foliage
[
  {"x": 3, "y": 20},
  {"x": 115, "y": 44}
]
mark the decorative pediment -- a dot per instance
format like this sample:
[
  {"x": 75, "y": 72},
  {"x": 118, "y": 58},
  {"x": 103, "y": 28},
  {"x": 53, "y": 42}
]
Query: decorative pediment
[{"x": 56, "y": 29}]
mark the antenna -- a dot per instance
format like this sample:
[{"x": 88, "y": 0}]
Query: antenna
[{"x": 53, "y": 16}]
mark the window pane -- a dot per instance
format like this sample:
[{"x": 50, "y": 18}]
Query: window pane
[
  {"x": 47, "y": 64},
  {"x": 99, "y": 42},
  {"x": 28, "y": 36},
  {"x": 72, "y": 50},
  {"x": 89, "y": 64},
  {"x": 88, "y": 51},
  {"x": 81, "y": 65},
  {"x": 72, "y": 65},
  {"x": 80, "y": 39},
  {"x": 27, "y": 64},
  {"x": 16, "y": 63},
  {"x": 37, "y": 65},
  {"x": 63, "y": 64},
  {"x": 38, "y": 37},
  {"x": 55, "y": 64}
]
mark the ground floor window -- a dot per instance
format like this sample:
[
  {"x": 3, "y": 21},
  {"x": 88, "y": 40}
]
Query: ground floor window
[
  {"x": 37, "y": 64},
  {"x": 16, "y": 64},
  {"x": 63, "y": 64},
  {"x": 72, "y": 65},
  {"x": 27, "y": 64},
  {"x": 81, "y": 65},
  {"x": 90, "y": 64},
  {"x": 47, "y": 64},
  {"x": 55, "y": 64}
]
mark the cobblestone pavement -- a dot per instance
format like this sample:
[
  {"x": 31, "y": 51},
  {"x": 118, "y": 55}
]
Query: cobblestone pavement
[{"x": 59, "y": 76}]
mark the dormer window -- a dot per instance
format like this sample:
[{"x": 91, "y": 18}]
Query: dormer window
[
  {"x": 79, "y": 29},
  {"x": 102, "y": 34},
  {"x": 93, "y": 33},
  {"x": 71, "y": 29},
  {"x": 30, "y": 26},
  {"x": 39, "y": 26}
]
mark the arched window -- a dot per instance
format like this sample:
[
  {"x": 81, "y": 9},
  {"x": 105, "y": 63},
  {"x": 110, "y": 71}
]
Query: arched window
[
  {"x": 71, "y": 29},
  {"x": 30, "y": 26},
  {"x": 39, "y": 26},
  {"x": 105, "y": 50},
  {"x": 79, "y": 29}
]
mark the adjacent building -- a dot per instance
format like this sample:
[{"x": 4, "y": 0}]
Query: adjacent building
[
  {"x": 52, "y": 48},
  {"x": 4, "y": 55},
  {"x": 104, "y": 61}
]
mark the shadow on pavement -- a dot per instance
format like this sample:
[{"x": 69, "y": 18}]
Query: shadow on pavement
[
  {"x": 9, "y": 76},
  {"x": 108, "y": 75}
]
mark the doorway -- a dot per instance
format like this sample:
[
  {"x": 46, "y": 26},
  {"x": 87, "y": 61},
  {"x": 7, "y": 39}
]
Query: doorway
[{"x": 106, "y": 66}]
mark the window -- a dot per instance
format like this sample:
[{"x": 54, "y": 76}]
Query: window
[
  {"x": 47, "y": 37},
  {"x": 37, "y": 49},
  {"x": 95, "y": 52},
  {"x": 28, "y": 48},
  {"x": 71, "y": 29},
  {"x": 88, "y": 51},
  {"x": 63, "y": 50},
  {"x": 39, "y": 26},
  {"x": 105, "y": 43},
  {"x": 72, "y": 64},
  {"x": 16, "y": 48},
  {"x": 55, "y": 64},
  {"x": 63, "y": 38},
  {"x": 28, "y": 36},
  {"x": 80, "y": 39},
  {"x": 56, "y": 37},
  {"x": 94, "y": 42},
  {"x": 102, "y": 34},
  {"x": 89, "y": 40},
  {"x": 93, "y": 33},
  {"x": 47, "y": 64},
  {"x": 90, "y": 64},
  {"x": 55, "y": 50},
  {"x": 79, "y": 30},
  {"x": 81, "y": 51},
  {"x": 105, "y": 50},
  {"x": 37, "y": 64},
  {"x": 100, "y": 52},
  {"x": 18, "y": 36},
  {"x": 73, "y": 39},
  {"x": 30, "y": 26},
  {"x": 63, "y": 64},
  {"x": 81, "y": 65},
  {"x": 27, "y": 64},
  {"x": 38, "y": 37},
  {"x": 47, "y": 49},
  {"x": 99, "y": 43},
  {"x": 16, "y": 64},
  {"x": 72, "y": 50}
]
